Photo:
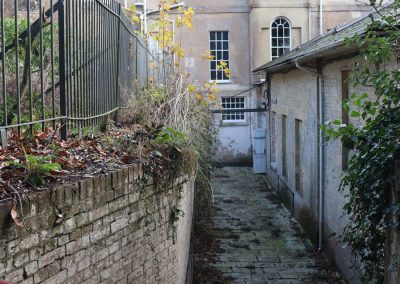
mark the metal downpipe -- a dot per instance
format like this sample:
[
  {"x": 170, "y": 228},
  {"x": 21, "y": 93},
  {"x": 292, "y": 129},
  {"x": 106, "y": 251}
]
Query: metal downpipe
[
  {"x": 321, "y": 18},
  {"x": 321, "y": 161}
]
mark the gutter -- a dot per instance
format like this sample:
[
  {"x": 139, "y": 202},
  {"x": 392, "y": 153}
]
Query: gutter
[
  {"x": 327, "y": 51},
  {"x": 320, "y": 139}
]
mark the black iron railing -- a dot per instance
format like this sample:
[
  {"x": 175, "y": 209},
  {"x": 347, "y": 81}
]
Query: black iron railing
[{"x": 71, "y": 66}]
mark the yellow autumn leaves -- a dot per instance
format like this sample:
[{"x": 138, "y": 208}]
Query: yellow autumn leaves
[
  {"x": 204, "y": 93},
  {"x": 162, "y": 30}
]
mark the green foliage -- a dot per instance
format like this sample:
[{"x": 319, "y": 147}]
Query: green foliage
[
  {"x": 39, "y": 168},
  {"x": 170, "y": 135},
  {"x": 376, "y": 146},
  {"x": 22, "y": 24}
]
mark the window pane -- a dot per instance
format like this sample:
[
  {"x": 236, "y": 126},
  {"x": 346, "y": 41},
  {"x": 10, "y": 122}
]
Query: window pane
[
  {"x": 219, "y": 45},
  {"x": 280, "y": 31},
  {"x": 225, "y": 45},
  {"x": 213, "y": 65},
  {"x": 287, "y": 32},
  {"x": 219, "y": 55},
  {"x": 212, "y": 35},
  {"x": 218, "y": 35},
  {"x": 213, "y": 75},
  {"x": 287, "y": 42},
  {"x": 219, "y": 75},
  {"x": 225, "y": 36},
  {"x": 212, "y": 45},
  {"x": 226, "y": 55},
  {"x": 274, "y": 42}
]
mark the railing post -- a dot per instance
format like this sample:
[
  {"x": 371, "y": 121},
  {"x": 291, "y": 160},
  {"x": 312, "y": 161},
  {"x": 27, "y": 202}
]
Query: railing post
[
  {"x": 61, "y": 48},
  {"x": 117, "y": 89}
]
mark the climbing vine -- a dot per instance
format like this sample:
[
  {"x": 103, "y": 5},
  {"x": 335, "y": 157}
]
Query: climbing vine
[{"x": 376, "y": 145}]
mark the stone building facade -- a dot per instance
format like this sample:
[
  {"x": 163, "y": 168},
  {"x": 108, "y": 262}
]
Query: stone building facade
[
  {"x": 306, "y": 88},
  {"x": 248, "y": 43}
]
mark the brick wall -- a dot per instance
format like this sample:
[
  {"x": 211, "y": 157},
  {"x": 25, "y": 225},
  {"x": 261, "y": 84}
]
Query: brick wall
[{"x": 110, "y": 228}]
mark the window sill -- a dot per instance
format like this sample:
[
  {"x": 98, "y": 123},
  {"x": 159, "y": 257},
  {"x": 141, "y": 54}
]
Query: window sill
[
  {"x": 234, "y": 123},
  {"x": 220, "y": 81}
]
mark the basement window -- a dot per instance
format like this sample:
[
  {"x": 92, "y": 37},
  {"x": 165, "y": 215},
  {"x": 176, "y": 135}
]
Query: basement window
[{"x": 233, "y": 103}]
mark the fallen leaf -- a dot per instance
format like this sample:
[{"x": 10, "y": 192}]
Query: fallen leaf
[{"x": 15, "y": 216}]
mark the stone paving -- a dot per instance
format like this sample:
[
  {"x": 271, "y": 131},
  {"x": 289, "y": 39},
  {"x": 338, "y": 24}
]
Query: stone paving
[{"x": 259, "y": 240}]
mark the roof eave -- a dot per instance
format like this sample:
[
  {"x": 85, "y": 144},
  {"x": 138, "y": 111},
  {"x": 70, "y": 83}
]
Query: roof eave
[{"x": 327, "y": 52}]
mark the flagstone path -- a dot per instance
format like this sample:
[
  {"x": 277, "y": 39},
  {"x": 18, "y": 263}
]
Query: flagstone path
[{"x": 259, "y": 240}]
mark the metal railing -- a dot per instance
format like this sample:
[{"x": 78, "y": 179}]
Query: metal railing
[{"x": 71, "y": 66}]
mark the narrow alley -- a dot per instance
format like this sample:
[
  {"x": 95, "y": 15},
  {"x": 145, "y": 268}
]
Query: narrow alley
[{"x": 259, "y": 241}]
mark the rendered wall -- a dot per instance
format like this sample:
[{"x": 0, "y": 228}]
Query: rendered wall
[{"x": 294, "y": 94}]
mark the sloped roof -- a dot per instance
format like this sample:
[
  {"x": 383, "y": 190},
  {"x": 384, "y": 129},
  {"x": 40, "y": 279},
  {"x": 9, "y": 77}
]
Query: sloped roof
[{"x": 327, "y": 44}]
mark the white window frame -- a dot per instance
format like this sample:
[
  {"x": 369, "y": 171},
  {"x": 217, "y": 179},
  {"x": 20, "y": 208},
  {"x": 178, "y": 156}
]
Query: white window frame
[
  {"x": 233, "y": 100},
  {"x": 216, "y": 59},
  {"x": 277, "y": 46}
]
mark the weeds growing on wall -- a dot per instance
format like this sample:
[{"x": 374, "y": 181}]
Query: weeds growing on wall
[{"x": 369, "y": 179}]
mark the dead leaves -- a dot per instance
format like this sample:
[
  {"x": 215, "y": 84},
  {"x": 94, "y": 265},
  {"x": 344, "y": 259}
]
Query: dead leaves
[{"x": 15, "y": 216}]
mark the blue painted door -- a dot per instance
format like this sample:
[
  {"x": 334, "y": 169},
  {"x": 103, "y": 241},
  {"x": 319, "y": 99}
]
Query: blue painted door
[{"x": 259, "y": 151}]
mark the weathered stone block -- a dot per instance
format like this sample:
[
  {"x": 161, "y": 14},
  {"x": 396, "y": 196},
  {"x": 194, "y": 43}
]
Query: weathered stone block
[
  {"x": 28, "y": 242},
  {"x": 50, "y": 245},
  {"x": 21, "y": 259},
  {"x": 15, "y": 276},
  {"x": 51, "y": 256},
  {"x": 108, "y": 219},
  {"x": 83, "y": 264},
  {"x": 46, "y": 272},
  {"x": 68, "y": 192},
  {"x": 59, "y": 278},
  {"x": 31, "y": 268},
  {"x": 103, "y": 198},
  {"x": 118, "y": 203},
  {"x": 81, "y": 219},
  {"x": 69, "y": 225},
  {"x": 108, "y": 182},
  {"x": 13, "y": 247},
  {"x": 119, "y": 191},
  {"x": 79, "y": 244},
  {"x": 99, "y": 234},
  {"x": 59, "y": 200},
  {"x": 98, "y": 213}
]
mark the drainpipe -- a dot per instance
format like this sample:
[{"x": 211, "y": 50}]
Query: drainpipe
[
  {"x": 321, "y": 157},
  {"x": 321, "y": 171},
  {"x": 321, "y": 18},
  {"x": 309, "y": 21}
]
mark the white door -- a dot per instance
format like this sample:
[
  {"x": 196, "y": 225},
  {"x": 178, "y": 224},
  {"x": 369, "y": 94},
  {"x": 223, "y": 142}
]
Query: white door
[{"x": 259, "y": 151}]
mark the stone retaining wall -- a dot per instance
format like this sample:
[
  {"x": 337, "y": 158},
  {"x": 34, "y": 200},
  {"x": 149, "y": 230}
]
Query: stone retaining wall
[{"x": 113, "y": 228}]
